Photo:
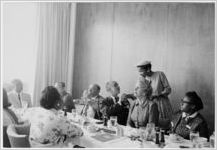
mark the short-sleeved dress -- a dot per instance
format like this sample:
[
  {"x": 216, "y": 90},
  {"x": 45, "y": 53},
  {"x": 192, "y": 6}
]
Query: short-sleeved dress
[
  {"x": 143, "y": 113},
  {"x": 47, "y": 127},
  {"x": 160, "y": 84}
]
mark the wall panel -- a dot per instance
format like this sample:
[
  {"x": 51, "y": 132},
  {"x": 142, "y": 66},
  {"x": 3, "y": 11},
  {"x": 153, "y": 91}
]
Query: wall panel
[{"x": 177, "y": 37}]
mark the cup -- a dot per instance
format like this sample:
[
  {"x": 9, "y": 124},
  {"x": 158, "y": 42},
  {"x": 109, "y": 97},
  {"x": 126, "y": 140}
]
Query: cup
[
  {"x": 201, "y": 142},
  {"x": 74, "y": 113},
  {"x": 193, "y": 137},
  {"x": 113, "y": 120},
  {"x": 143, "y": 133},
  {"x": 60, "y": 113}
]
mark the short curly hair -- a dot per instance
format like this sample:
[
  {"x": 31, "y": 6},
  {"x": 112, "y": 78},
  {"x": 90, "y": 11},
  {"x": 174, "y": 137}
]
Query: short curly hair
[
  {"x": 195, "y": 100},
  {"x": 50, "y": 98},
  {"x": 146, "y": 86}
]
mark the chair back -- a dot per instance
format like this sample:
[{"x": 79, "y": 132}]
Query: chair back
[
  {"x": 6, "y": 142},
  {"x": 19, "y": 135}
]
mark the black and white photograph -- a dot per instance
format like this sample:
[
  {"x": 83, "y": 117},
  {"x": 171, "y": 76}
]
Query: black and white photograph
[{"x": 101, "y": 74}]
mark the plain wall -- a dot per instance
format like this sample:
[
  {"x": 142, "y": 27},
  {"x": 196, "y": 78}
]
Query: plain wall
[
  {"x": 19, "y": 43},
  {"x": 178, "y": 39}
]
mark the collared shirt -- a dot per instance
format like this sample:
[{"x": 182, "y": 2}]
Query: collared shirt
[
  {"x": 92, "y": 106},
  {"x": 22, "y": 103},
  {"x": 116, "y": 101},
  {"x": 185, "y": 115}
]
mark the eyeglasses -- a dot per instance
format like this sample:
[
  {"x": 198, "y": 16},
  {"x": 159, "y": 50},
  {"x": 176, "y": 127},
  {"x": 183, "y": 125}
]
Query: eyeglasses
[{"x": 187, "y": 102}]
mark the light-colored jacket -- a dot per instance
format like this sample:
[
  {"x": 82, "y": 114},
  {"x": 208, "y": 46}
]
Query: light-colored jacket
[{"x": 14, "y": 100}]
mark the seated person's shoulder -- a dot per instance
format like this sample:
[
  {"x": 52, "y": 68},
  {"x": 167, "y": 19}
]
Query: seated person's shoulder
[
  {"x": 11, "y": 94},
  {"x": 108, "y": 99},
  {"x": 199, "y": 119},
  {"x": 68, "y": 95},
  {"x": 101, "y": 98}
]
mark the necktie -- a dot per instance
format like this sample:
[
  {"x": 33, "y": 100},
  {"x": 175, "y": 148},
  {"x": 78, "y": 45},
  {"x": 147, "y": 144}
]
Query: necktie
[{"x": 19, "y": 99}]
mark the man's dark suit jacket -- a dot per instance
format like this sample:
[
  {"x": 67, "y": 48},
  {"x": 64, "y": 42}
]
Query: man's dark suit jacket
[{"x": 109, "y": 108}]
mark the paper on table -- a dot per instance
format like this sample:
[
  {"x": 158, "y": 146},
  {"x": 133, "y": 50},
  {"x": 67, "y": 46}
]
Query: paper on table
[{"x": 105, "y": 137}]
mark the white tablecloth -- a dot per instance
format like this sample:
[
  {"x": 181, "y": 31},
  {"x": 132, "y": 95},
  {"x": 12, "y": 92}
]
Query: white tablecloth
[{"x": 121, "y": 142}]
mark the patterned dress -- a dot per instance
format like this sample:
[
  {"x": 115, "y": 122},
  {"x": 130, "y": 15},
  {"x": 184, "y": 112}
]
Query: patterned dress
[
  {"x": 160, "y": 85},
  {"x": 47, "y": 127},
  {"x": 183, "y": 126}
]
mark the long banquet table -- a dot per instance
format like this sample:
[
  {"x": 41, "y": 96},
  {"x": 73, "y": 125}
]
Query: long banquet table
[
  {"x": 119, "y": 141},
  {"x": 124, "y": 141}
]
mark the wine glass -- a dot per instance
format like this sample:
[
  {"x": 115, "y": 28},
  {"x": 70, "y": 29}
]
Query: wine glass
[{"x": 193, "y": 137}]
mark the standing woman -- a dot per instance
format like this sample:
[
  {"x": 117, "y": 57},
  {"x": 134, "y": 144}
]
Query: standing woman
[{"x": 160, "y": 91}]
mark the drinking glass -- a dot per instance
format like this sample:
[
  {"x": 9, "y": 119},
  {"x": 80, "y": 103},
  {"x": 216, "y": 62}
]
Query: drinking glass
[
  {"x": 193, "y": 137},
  {"x": 113, "y": 120},
  {"x": 212, "y": 140},
  {"x": 142, "y": 133},
  {"x": 24, "y": 105},
  {"x": 150, "y": 129},
  {"x": 201, "y": 142},
  {"x": 74, "y": 113}
]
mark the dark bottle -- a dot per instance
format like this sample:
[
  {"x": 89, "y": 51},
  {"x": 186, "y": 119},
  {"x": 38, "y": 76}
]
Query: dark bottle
[
  {"x": 65, "y": 112},
  {"x": 157, "y": 136},
  {"x": 105, "y": 120},
  {"x": 162, "y": 140}
]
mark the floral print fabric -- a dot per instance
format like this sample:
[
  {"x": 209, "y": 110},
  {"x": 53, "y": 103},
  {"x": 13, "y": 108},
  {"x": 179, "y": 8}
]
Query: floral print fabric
[{"x": 48, "y": 127}]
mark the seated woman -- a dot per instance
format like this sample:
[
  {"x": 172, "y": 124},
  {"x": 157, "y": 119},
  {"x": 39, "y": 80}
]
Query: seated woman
[
  {"x": 112, "y": 106},
  {"x": 143, "y": 111},
  {"x": 9, "y": 117},
  {"x": 189, "y": 119},
  {"x": 46, "y": 126}
]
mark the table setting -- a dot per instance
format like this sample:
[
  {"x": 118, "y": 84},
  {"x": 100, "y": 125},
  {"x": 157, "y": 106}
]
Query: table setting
[
  {"x": 112, "y": 135},
  {"x": 109, "y": 134}
]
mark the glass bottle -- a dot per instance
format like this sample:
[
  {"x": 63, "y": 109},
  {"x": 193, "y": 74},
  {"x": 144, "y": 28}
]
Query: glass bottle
[
  {"x": 157, "y": 136},
  {"x": 212, "y": 140}
]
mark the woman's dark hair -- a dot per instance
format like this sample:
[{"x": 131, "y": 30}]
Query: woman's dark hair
[
  {"x": 50, "y": 98},
  {"x": 6, "y": 103},
  {"x": 146, "y": 67},
  {"x": 195, "y": 100}
]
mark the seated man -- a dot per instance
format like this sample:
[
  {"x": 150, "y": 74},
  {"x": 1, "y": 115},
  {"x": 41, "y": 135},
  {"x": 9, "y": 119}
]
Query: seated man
[
  {"x": 94, "y": 103},
  {"x": 67, "y": 99},
  {"x": 17, "y": 97},
  {"x": 112, "y": 106},
  {"x": 189, "y": 119}
]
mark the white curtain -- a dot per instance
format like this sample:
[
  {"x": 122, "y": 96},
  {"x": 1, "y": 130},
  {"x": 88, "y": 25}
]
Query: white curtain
[{"x": 55, "y": 58}]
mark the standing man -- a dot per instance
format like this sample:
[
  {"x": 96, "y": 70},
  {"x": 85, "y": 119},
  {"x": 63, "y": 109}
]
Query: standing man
[
  {"x": 94, "y": 102},
  {"x": 17, "y": 97},
  {"x": 67, "y": 99}
]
